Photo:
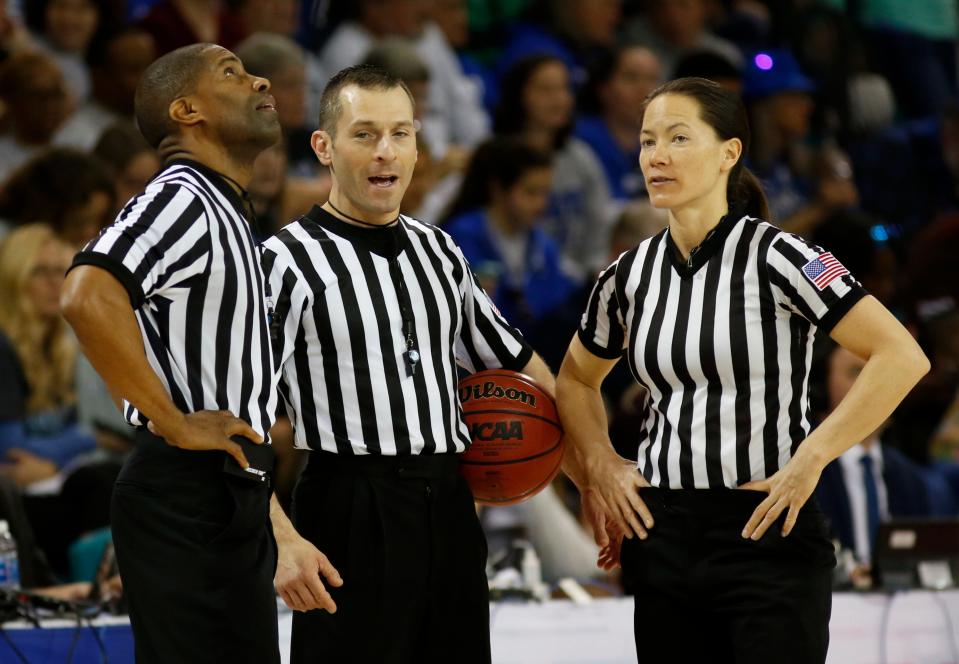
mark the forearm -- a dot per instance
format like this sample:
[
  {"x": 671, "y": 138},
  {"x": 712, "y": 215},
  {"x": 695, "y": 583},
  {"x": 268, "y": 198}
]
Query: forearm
[
  {"x": 97, "y": 308},
  {"x": 537, "y": 370},
  {"x": 883, "y": 383},
  {"x": 583, "y": 416},
  {"x": 283, "y": 529}
]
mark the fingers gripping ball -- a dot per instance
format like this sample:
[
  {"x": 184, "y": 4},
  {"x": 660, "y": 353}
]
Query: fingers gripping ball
[{"x": 516, "y": 449}]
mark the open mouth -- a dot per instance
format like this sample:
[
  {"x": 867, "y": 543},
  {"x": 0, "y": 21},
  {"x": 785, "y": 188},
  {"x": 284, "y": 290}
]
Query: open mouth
[
  {"x": 383, "y": 181},
  {"x": 266, "y": 107},
  {"x": 660, "y": 180}
]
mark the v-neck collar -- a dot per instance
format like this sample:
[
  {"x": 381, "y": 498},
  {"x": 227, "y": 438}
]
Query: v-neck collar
[
  {"x": 713, "y": 243},
  {"x": 218, "y": 180}
]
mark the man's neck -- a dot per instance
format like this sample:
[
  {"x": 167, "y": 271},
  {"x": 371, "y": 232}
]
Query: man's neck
[
  {"x": 240, "y": 171},
  {"x": 343, "y": 208}
]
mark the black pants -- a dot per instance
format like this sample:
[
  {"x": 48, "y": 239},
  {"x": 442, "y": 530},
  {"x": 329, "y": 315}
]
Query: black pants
[
  {"x": 197, "y": 558},
  {"x": 705, "y": 594},
  {"x": 404, "y": 536}
]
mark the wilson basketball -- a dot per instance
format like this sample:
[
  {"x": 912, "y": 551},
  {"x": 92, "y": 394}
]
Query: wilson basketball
[{"x": 516, "y": 449}]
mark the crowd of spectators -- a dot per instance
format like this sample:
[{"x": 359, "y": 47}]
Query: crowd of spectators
[{"x": 528, "y": 115}]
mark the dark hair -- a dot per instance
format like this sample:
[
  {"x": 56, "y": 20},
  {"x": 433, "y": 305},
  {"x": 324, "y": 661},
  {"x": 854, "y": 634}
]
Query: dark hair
[
  {"x": 510, "y": 116},
  {"x": 600, "y": 72},
  {"x": 724, "y": 112},
  {"x": 19, "y": 70},
  {"x": 119, "y": 144},
  {"x": 399, "y": 57},
  {"x": 49, "y": 186},
  {"x": 165, "y": 80},
  {"x": 365, "y": 77},
  {"x": 98, "y": 55},
  {"x": 501, "y": 160}
]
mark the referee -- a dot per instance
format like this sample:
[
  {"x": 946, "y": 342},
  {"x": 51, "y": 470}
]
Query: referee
[
  {"x": 717, "y": 316},
  {"x": 373, "y": 313},
  {"x": 169, "y": 306}
]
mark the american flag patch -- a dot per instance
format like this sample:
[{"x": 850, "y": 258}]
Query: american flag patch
[{"x": 823, "y": 270}]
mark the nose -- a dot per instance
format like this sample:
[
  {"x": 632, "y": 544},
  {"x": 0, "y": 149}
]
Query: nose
[
  {"x": 261, "y": 84},
  {"x": 385, "y": 151},
  {"x": 657, "y": 154}
]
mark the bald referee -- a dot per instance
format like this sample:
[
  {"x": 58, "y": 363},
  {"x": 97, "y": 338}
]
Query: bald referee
[
  {"x": 169, "y": 305},
  {"x": 373, "y": 313}
]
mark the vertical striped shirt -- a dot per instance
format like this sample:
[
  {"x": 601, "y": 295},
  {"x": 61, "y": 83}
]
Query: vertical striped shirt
[
  {"x": 339, "y": 342},
  {"x": 723, "y": 345},
  {"x": 184, "y": 252}
]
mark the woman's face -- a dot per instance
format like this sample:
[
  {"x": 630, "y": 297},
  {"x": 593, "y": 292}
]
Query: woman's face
[
  {"x": 682, "y": 159},
  {"x": 526, "y": 200},
  {"x": 547, "y": 97},
  {"x": 46, "y": 279},
  {"x": 71, "y": 24}
]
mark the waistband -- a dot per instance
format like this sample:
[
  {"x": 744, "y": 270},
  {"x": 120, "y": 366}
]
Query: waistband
[
  {"x": 417, "y": 466},
  {"x": 708, "y": 501}
]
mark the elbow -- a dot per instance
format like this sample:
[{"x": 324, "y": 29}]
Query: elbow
[{"x": 73, "y": 301}]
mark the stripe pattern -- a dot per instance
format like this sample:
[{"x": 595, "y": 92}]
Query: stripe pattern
[
  {"x": 723, "y": 346},
  {"x": 339, "y": 342},
  {"x": 185, "y": 254}
]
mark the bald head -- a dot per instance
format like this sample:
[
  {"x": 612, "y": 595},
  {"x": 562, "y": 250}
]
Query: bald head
[{"x": 167, "y": 79}]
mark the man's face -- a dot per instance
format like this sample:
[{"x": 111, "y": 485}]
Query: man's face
[
  {"x": 237, "y": 107},
  {"x": 372, "y": 155}
]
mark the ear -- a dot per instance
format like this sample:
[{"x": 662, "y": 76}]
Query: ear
[
  {"x": 322, "y": 144},
  {"x": 732, "y": 151},
  {"x": 184, "y": 112}
]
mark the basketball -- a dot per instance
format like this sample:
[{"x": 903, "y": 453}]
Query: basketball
[{"x": 517, "y": 447}]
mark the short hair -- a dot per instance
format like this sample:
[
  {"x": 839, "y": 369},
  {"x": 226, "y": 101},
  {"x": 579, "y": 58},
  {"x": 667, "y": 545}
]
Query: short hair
[
  {"x": 119, "y": 144},
  {"x": 265, "y": 54},
  {"x": 165, "y": 80},
  {"x": 365, "y": 77}
]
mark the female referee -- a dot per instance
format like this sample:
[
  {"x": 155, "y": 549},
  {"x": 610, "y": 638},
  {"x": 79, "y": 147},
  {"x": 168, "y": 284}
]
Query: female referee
[{"x": 717, "y": 316}]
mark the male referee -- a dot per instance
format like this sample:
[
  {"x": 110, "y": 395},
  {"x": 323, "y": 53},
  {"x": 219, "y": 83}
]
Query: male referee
[
  {"x": 169, "y": 305},
  {"x": 373, "y": 313}
]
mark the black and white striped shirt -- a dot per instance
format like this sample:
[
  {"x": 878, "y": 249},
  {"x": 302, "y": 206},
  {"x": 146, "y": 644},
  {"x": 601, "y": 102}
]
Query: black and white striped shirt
[
  {"x": 723, "y": 345},
  {"x": 339, "y": 342},
  {"x": 184, "y": 252}
]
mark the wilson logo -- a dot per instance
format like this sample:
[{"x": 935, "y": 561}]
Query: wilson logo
[
  {"x": 497, "y": 431},
  {"x": 490, "y": 390}
]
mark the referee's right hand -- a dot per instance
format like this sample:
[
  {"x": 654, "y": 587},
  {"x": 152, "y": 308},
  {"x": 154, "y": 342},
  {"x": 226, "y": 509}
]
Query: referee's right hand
[{"x": 208, "y": 430}]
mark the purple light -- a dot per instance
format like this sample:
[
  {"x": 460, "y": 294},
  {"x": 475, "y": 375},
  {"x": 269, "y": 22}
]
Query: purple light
[{"x": 764, "y": 61}]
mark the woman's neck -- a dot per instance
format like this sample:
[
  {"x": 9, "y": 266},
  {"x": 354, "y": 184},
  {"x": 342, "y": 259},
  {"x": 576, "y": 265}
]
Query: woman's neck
[
  {"x": 689, "y": 225},
  {"x": 540, "y": 139},
  {"x": 501, "y": 220}
]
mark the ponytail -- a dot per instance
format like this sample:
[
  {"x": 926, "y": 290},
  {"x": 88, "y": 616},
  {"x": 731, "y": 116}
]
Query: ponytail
[{"x": 745, "y": 191}]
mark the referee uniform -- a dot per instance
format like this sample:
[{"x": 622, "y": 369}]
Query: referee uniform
[
  {"x": 193, "y": 544},
  {"x": 723, "y": 344},
  {"x": 369, "y": 326}
]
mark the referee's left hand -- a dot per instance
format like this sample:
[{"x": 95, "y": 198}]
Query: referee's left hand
[
  {"x": 300, "y": 568},
  {"x": 788, "y": 489}
]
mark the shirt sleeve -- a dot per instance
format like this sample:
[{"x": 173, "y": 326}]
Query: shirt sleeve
[
  {"x": 486, "y": 340},
  {"x": 602, "y": 329},
  {"x": 161, "y": 241},
  {"x": 286, "y": 300},
  {"x": 809, "y": 281}
]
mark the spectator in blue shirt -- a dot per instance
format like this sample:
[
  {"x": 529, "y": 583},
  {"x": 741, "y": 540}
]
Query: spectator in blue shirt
[{"x": 493, "y": 219}]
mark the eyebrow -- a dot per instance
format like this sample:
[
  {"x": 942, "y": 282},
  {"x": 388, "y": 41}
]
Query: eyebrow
[
  {"x": 370, "y": 123},
  {"x": 669, "y": 128},
  {"x": 227, "y": 58}
]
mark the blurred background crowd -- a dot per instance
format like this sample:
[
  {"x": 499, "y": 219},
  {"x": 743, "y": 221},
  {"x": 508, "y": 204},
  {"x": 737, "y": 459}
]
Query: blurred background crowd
[{"x": 528, "y": 115}]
